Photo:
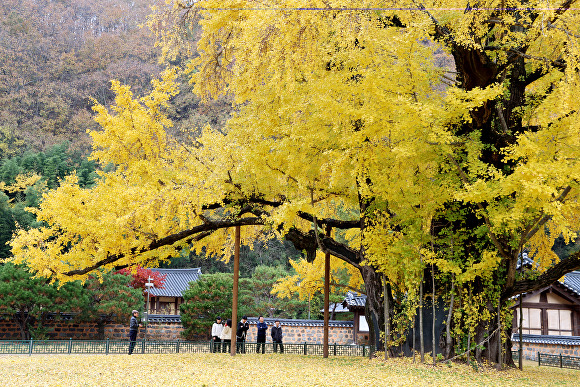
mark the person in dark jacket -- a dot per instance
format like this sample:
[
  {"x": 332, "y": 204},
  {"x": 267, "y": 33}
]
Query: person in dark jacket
[
  {"x": 133, "y": 330},
  {"x": 276, "y": 333},
  {"x": 241, "y": 332},
  {"x": 261, "y": 337}
]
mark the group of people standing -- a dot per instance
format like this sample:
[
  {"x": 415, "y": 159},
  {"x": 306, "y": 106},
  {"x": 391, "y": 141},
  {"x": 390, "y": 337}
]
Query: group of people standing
[{"x": 222, "y": 335}]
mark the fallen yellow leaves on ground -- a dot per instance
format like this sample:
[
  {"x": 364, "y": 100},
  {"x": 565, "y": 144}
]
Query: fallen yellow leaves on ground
[{"x": 258, "y": 370}]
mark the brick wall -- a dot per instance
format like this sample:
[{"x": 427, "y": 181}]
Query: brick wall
[{"x": 56, "y": 330}]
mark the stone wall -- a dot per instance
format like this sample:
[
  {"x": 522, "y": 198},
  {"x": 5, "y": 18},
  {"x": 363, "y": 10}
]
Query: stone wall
[
  {"x": 64, "y": 330},
  {"x": 309, "y": 334},
  {"x": 9, "y": 330},
  {"x": 530, "y": 350},
  {"x": 155, "y": 331},
  {"x": 170, "y": 328},
  {"x": 56, "y": 330}
]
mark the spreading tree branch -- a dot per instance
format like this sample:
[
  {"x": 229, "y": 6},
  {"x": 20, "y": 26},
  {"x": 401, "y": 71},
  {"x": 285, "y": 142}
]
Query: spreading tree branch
[
  {"x": 190, "y": 234},
  {"x": 307, "y": 242},
  {"x": 553, "y": 274}
]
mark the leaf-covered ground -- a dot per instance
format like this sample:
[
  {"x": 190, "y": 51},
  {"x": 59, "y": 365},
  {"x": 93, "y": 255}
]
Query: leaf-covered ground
[{"x": 258, "y": 370}]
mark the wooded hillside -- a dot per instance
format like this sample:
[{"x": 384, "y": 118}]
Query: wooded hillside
[{"x": 58, "y": 57}]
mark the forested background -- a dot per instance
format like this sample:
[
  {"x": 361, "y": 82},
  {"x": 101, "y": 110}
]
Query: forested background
[
  {"x": 58, "y": 56},
  {"x": 57, "y": 59}
]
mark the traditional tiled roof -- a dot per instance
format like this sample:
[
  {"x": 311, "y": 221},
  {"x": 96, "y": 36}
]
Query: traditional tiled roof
[
  {"x": 354, "y": 300},
  {"x": 337, "y": 307},
  {"x": 572, "y": 282},
  {"x": 526, "y": 260},
  {"x": 546, "y": 339},
  {"x": 176, "y": 281},
  {"x": 302, "y": 323}
]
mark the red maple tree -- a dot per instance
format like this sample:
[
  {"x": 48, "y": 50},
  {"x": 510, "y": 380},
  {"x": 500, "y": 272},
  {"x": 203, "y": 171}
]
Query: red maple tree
[{"x": 141, "y": 276}]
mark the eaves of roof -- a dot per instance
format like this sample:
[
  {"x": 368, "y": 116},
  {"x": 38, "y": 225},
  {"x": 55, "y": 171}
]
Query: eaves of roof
[
  {"x": 546, "y": 339},
  {"x": 302, "y": 322},
  {"x": 572, "y": 282},
  {"x": 354, "y": 300},
  {"x": 160, "y": 318}
]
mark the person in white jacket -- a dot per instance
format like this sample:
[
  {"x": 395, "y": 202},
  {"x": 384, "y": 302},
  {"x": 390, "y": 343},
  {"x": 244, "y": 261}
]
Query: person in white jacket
[
  {"x": 216, "y": 332},
  {"x": 226, "y": 336}
]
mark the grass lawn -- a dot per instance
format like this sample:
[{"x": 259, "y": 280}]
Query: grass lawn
[{"x": 259, "y": 370}]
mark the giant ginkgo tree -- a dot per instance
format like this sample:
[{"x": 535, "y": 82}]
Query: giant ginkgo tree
[{"x": 404, "y": 138}]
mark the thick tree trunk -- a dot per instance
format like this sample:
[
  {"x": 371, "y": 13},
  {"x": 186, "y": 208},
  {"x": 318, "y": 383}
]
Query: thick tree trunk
[
  {"x": 487, "y": 336},
  {"x": 374, "y": 308},
  {"x": 387, "y": 318}
]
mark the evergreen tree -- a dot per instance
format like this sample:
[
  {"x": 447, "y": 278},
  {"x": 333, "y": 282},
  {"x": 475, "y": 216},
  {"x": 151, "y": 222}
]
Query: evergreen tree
[
  {"x": 23, "y": 180},
  {"x": 110, "y": 300},
  {"x": 205, "y": 299},
  {"x": 31, "y": 300}
]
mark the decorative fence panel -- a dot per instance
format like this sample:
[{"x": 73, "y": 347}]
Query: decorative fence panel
[
  {"x": 562, "y": 361},
  {"x": 106, "y": 347},
  {"x": 551, "y": 360}
]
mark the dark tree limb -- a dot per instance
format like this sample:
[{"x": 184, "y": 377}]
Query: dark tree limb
[
  {"x": 334, "y": 223},
  {"x": 307, "y": 242},
  {"x": 191, "y": 234},
  {"x": 553, "y": 274}
]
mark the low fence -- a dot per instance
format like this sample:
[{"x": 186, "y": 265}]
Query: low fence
[
  {"x": 562, "y": 361},
  {"x": 551, "y": 360},
  {"x": 107, "y": 347}
]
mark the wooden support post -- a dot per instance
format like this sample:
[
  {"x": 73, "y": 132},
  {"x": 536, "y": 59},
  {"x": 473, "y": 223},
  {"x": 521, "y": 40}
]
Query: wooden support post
[
  {"x": 326, "y": 299},
  {"x": 521, "y": 349},
  {"x": 235, "y": 292}
]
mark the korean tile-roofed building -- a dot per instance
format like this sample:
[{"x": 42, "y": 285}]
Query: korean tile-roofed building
[
  {"x": 551, "y": 311},
  {"x": 355, "y": 302},
  {"x": 166, "y": 301},
  {"x": 337, "y": 307}
]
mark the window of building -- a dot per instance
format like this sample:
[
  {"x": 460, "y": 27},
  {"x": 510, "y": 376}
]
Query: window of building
[
  {"x": 559, "y": 322},
  {"x": 532, "y": 322}
]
